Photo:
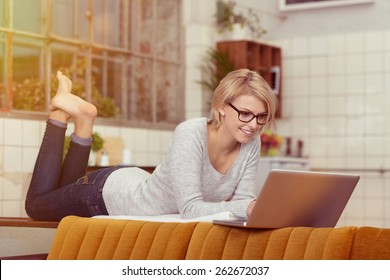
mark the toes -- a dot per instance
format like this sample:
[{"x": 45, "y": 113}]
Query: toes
[{"x": 64, "y": 83}]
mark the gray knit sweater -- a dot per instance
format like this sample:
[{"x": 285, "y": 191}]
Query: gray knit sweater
[{"x": 185, "y": 182}]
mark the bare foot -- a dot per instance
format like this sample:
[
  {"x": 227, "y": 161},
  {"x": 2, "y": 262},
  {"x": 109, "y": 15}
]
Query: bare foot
[
  {"x": 64, "y": 86},
  {"x": 82, "y": 112},
  {"x": 64, "y": 83}
]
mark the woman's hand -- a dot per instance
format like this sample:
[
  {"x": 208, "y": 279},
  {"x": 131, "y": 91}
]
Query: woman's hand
[{"x": 250, "y": 207}]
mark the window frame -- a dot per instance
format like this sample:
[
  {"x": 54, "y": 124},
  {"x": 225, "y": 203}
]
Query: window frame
[{"x": 90, "y": 48}]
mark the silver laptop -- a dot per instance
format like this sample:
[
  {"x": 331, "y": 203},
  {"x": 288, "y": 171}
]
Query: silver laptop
[{"x": 299, "y": 198}]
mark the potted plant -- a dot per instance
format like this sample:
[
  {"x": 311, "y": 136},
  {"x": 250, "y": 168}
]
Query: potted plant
[
  {"x": 229, "y": 20},
  {"x": 97, "y": 145},
  {"x": 215, "y": 65}
]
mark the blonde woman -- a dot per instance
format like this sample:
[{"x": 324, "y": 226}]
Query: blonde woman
[{"x": 210, "y": 166}]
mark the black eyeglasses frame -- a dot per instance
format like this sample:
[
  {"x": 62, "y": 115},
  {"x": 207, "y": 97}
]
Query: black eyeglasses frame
[{"x": 239, "y": 112}]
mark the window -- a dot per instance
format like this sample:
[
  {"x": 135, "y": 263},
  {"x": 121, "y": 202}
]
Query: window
[{"x": 123, "y": 56}]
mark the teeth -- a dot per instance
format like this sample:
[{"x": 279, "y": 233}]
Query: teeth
[{"x": 246, "y": 131}]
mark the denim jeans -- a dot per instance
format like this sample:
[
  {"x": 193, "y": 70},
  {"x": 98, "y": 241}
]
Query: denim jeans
[{"x": 60, "y": 187}]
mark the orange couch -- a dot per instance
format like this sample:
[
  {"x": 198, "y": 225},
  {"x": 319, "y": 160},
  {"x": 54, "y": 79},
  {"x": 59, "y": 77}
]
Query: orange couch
[{"x": 92, "y": 238}]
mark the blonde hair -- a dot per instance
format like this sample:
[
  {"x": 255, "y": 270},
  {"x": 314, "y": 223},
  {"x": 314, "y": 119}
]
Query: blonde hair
[{"x": 243, "y": 82}]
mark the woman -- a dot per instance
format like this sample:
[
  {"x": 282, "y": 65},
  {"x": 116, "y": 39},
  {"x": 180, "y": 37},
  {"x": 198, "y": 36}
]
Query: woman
[{"x": 210, "y": 167}]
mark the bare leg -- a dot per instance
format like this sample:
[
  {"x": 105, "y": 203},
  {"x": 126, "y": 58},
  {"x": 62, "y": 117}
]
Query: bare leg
[{"x": 66, "y": 105}]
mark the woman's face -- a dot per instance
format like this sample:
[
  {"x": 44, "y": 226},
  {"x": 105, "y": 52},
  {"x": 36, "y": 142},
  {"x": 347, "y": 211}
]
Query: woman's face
[{"x": 247, "y": 105}]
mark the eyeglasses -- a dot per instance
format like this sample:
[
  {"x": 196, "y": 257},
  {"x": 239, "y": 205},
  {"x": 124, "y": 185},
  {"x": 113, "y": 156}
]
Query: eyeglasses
[{"x": 247, "y": 117}]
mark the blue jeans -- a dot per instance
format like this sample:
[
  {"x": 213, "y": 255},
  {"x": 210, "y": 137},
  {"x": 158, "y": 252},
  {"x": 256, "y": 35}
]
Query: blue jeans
[{"x": 60, "y": 187}]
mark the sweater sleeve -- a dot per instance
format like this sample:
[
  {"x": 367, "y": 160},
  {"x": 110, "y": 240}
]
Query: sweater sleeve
[{"x": 185, "y": 161}]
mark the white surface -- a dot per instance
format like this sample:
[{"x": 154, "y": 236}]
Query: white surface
[
  {"x": 171, "y": 218},
  {"x": 16, "y": 241}
]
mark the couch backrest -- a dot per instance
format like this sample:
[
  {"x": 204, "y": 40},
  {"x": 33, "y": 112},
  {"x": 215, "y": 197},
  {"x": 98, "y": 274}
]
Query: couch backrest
[{"x": 92, "y": 238}]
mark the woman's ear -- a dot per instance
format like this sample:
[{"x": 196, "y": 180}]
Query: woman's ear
[{"x": 222, "y": 112}]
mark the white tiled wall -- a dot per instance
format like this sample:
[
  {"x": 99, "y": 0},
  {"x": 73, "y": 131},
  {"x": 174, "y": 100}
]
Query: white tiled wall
[{"x": 336, "y": 97}]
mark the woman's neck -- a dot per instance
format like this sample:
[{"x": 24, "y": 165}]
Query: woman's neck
[{"x": 223, "y": 150}]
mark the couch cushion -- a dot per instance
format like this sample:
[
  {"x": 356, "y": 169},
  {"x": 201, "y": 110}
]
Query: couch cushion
[
  {"x": 88, "y": 238},
  {"x": 221, "y": 242},
  {"x": 371, "y": 244}
]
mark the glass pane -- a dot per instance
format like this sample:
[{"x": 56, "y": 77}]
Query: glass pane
[
  {"x": 62, "y": 9},
  {"x": 27, "y": 88},
  {"x": 63, "y": 59},
  {"x": 106, "y": 87},
  {"x": 168, "y": 98},
  {"x": 2, "y": 13},
  {"x": 106, "y": 20},
  {"x": 140, "y": 99},
  {"x": 168, "y": 26},
  {"x": 3, "y": 92},
  {"x": 27, "y": 15},
  {"x": 82, "y": 18},
  {"x": 142, "y": 31}
]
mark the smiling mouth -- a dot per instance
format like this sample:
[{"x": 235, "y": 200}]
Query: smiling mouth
[{"x": 247, "y": 132}]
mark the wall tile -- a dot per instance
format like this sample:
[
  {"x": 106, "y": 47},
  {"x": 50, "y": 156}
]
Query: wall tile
[
  {"x": 355, "y": 64},
  {"x": 317, "y": 45},
  {"x": 355, "y": 105},
  {"x": 374, "y": 62},
  {"x": 374, "y": 84},
  {"x": 127, "y": 135},
  {"x": 12, "y": 191},
  {"x": 374, "y": 145},
  {"x": 300, "y": 107},
  {"x": 337, "y": 85},
  {"x": 2, "y": 133},
  {"x": 318, "y": 146},
  {"x": 374, "y": 41},
  {"x": 336, "y": 44},
  {"x": 386, "y": 62},
  {"x": 337, "y": 148},
  {"x": 318, "y": 66},
  {"x": 355, "y": 146},
  {"x": 336, "y": 105},
  {"x": 299, "y": 46},
  {"x": 13, "y": 132},
  {"x": 374, "y": 208},
  {"x": 29, "y": 156},
  {"x": 300, "y": 67},
  {"x": 337, "y": 125},
  {"x": 1, "y": 188},
  {"x": 337, "y": 162},
  {"x": 318, "y": 106},
  {"x": 355, "y": 43},
  {"x": 318, "y": 86},
  {"x": 12, "y": 159},
  {"x": 355, "y": 162},
  {"x": 31, "y": 135},
  {"x": 299, "y": 87},
  {"x": 154, "y": 140},
  {"x": 336, "y": 65},
  {"x": 11, "y": 208},
  {"x": 355, "y": 84},
  {"x": 141, "y": 140}
]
